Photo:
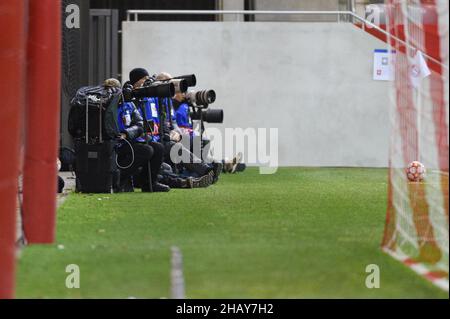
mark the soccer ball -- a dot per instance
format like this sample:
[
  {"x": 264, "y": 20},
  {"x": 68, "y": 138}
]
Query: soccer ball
[{"x": 415, "y": 171}]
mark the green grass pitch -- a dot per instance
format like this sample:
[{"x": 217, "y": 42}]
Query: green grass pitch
[{"x": 300, "y": 233}]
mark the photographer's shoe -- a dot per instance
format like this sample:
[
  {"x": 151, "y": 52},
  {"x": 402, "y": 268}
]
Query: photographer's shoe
[
  {"x": 217, "y": 169},
  {"x": 203, "y": 181},
  {"x": 227, "y": 166},
  {"x": 190, "y": 182},
  {"x": 236, "y": 160},
  {"x": 158, "y": 187},
  {"x": 182, "y": 183}
]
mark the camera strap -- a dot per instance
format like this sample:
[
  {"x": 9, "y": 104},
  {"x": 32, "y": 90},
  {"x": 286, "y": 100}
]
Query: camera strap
[
  {"x": 147, "y": 128},
  {"x": 171, "y": 111},
  {"x": 87, "y": 119},
  {"x": 162, "y": 119},
  {"x": 100, "y": 120}
]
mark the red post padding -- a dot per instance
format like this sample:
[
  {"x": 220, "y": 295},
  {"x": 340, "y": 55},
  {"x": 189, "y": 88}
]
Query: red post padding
[
  {"x": 42, "y": 120},
  {"x": 12, "y": 61}
]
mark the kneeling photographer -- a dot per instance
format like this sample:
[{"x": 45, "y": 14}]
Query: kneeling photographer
[
  {"x": 156, "y": 109},
  {"x": 193, "y": 106},
  {"x": 172, "y": 135},
  {"x": 145, "y": 92},
  {"x": 134, "y": 158}
]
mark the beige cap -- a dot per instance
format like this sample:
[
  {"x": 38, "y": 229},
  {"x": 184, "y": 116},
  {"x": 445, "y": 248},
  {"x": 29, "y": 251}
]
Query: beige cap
[{"x": 112, "y": 83}]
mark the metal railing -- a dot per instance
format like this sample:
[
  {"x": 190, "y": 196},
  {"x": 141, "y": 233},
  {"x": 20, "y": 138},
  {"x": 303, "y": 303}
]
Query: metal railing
[
  {"x": 352, "y": 14},
  {"x": 136, "y": 13}
]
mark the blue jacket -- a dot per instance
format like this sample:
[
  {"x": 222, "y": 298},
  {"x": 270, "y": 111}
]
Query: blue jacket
[
  {"x": 130, "y": 121},
  {"x": 152, "y": 112},
  {"x": 151, "y": 109},
  {"x": 182, "y": 116}
]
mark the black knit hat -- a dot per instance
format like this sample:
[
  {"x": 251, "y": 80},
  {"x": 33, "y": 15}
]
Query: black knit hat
[{"x": 137, "y": 74}]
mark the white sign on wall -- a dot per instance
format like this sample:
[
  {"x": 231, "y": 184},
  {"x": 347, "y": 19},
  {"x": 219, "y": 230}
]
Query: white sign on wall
[{"x": 382, "y": 65}]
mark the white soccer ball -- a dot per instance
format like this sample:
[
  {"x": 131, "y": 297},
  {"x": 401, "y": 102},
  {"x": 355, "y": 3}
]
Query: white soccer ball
[{"x": 415, "y": 172}]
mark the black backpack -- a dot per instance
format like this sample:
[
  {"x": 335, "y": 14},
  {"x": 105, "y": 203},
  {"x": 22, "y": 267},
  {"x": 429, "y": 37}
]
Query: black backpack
[
  {"x": 93, "y": 113},
  {"x": 67, "y": 158}
]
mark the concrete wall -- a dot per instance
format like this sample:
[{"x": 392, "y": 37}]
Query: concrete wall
[{"x": 312, "y": 81}]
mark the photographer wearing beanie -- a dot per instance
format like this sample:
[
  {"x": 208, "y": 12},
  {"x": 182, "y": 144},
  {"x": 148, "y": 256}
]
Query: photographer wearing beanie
[{"x": 134, "y": 154}]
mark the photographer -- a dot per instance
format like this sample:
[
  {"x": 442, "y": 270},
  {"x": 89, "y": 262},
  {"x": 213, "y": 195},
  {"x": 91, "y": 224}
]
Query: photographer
[
  {"x": 157, "y": 111},
  {"x": 181, "y": 114},
  {"x": 138, "y": 152},
  {"x": 196, "y": 165},
  {"x": 183, "y": 121}
]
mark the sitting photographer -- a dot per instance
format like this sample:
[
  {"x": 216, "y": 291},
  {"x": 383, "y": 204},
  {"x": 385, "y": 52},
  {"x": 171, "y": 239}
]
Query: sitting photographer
[
  {"x": 134, "y": 153},
  {"x": 157, "y": 112},
  {"x": 195, "y": 166},
  {"x": 183, "y": 121}
]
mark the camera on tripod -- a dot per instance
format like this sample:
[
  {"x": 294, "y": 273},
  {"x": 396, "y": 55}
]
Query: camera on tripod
[{"x": 199, "y": 102}]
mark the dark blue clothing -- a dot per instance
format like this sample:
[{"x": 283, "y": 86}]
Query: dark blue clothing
[
  {"x": 151, "y": 109},
  {"x": 152, "y": 112},
  {"x": 182, "y": 116},
  {"x": 124, "y": 114},
  {"x": 130, "y": 121}
]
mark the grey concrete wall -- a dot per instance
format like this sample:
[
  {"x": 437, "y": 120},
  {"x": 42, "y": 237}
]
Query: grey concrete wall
[{"x": 312, "y": 81}]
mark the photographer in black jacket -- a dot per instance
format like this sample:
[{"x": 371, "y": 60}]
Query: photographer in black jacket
[{"x": 134, "y": 154}]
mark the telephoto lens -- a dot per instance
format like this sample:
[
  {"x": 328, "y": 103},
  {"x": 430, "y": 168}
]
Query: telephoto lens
[
  {"x": 209, "y": 115},
  {"x": 190, "y": 79},
  {"x": 156, "y": 89},
  {"x": 181, "y": 85},
  {"x": 201, "y": 98},
  {"x": 213, "y": 115}
]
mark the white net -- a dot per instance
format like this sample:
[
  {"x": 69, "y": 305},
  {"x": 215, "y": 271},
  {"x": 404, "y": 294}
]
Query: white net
[{"x": 417, "y": 219}]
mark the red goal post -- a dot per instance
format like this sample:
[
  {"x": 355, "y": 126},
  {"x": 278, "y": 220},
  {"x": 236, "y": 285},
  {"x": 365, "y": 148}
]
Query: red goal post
[
  {"x": 12, "y": 66},
  {"x": 30, "y": 55}
]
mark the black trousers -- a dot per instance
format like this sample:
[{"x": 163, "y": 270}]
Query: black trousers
[
  {"x": 194, "y": 164},
  {"x": 143, "y": 155},
  {"x": 157, "y": 159}
]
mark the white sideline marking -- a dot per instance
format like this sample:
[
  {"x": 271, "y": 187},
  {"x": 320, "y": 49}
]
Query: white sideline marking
[
  {"x": 177, "y": 290},
  {"x": 441, "y": 283},
  {"x": 419, "y": 269}
]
